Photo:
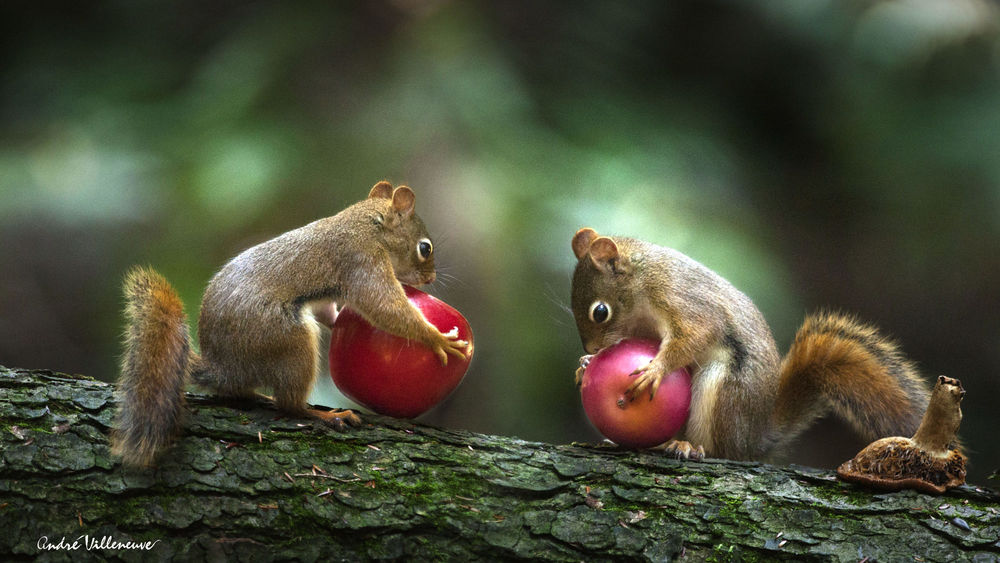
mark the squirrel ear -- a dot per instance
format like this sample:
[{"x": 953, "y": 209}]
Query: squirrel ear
[
  {"x": 382, "y": 189},
  {"x": 582, "y": 240},
  {"x": 402, "y": 200},
  {"x": 604, "y": 254}
]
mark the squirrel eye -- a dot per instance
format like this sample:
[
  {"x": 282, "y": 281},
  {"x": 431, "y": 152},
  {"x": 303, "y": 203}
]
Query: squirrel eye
[
  {"x": 600, "y": 312},
  {"x": 378, "y": 219},
  {"x": 424, "y": 249}
]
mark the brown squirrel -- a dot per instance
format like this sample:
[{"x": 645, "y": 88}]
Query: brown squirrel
[
  {"x": 260, "y": 315},
  {"x": 746, "y": 402}
]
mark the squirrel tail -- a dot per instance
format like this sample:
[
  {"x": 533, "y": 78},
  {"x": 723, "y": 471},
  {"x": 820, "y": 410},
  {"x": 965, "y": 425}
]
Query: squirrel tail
[
  {"x": 154, "y": 369},
  {"x": 839, "y": 363}
]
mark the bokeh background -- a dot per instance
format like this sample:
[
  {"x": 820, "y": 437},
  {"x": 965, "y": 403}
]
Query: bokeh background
[{"x": 817, "y": 154}]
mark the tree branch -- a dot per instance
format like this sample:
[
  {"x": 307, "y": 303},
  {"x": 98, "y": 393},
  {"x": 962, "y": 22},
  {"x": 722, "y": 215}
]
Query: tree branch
[{"x": 243, "y": 484}]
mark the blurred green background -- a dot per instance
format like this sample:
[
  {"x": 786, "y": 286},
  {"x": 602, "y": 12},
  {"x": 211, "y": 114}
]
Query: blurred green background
[{"x": 817, "y": 154}]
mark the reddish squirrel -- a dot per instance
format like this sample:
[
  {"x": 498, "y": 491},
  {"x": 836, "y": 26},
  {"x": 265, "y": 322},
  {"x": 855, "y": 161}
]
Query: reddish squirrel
[
  {"x": 260, "y": 315},
  {"x": 746, "y": 402}
]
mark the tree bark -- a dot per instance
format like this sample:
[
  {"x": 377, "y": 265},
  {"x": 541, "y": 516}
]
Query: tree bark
[{"x": 242, "y": 484}]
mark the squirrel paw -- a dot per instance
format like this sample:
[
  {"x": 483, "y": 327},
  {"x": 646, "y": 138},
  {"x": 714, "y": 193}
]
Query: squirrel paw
[
  {"x": 649, "y": 377},
  {"x": 584, "y": 362},
  {"x": 339, "y": 419},
  {"x": 680, "y": 449},
  {"x": 448, "y": 343}
]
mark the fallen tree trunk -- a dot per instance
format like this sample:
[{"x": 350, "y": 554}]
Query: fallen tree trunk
[{"x": 242, "y": 484}]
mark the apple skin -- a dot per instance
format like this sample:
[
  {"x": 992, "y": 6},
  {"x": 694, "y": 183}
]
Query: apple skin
[
  {"x": 390, "y": 374},
  {"x": 641, "y": 423}
]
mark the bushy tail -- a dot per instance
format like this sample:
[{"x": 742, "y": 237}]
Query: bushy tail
[
  {"x": 154, "y": 368},
  {"x": 839, "y": 363}
]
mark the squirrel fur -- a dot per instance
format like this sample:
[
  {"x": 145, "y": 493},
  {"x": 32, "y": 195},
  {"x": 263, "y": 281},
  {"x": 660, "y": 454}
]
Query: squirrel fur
[
  {"x": 747, "y": 402},
  {"x": 260, "y": 318}
]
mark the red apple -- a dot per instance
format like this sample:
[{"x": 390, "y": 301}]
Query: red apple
[
  {"x": 390, "y": 374},
  {"x": 639, "y": 423}
]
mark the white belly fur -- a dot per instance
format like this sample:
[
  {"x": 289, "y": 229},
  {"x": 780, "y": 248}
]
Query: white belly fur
[{"x": 705, "y": 382}]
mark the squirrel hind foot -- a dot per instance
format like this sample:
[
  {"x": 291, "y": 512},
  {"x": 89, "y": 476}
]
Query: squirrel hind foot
[
  {"x": 339, "y": 419},
  {"x": 683, "y": 450}
]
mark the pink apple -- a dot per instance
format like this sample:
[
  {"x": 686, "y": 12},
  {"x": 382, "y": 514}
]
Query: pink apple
[
  {"x": 638, "y": 423},
  {"x": 390, "y": 374}
]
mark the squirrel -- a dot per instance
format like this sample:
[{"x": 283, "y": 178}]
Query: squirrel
[
  {"x": 746, "y": 402},
  {"x": 260, "y": 316}
]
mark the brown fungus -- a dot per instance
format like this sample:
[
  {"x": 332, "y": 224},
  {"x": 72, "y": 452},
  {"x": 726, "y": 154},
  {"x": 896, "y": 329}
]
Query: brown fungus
[{"x": 928, "y": 462}]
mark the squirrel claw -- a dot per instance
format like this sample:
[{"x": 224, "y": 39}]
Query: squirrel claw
[
  {"x": 681, "y": 449},
  {"x": 647, "y": 379},
  {"x": 459, "y": 348},
  {"x": 339, "y": 419},
  {"x": 442, "y": 355},
  {"x": 584, "y": 362}
]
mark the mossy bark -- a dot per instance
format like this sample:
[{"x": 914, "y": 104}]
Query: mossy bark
[{"x": 245, "y": 485}]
